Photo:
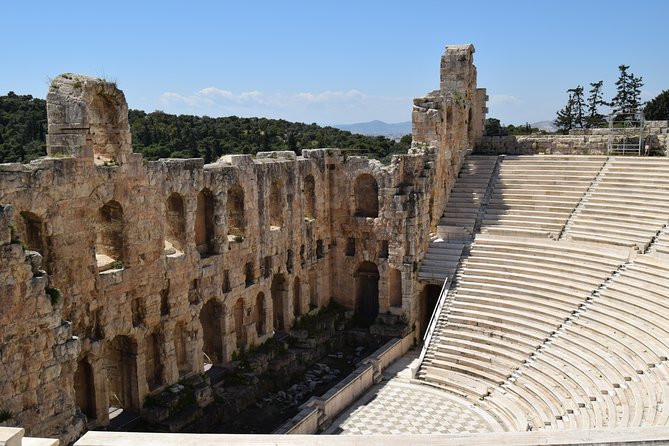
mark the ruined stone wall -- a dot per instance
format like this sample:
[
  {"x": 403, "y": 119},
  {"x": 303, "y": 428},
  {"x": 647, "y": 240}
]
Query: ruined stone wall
[
  {"x": 37, "y": 351},
  {"x": 577, "y": 142},
  {"x": 163, "y": 266}
]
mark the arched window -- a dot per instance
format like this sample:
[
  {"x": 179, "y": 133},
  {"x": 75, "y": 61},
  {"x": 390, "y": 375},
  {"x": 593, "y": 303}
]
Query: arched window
[
  {"x": 235, "y": 206},
  {"x": 395, "y": 287},
  {"x": 276, "y": 205},
  {"x": 175, "y": 232},
  {"x": 204, "y": 222},
  {"x": 109, "y": 236},
  {"x": 31, "y": 228},
  {"x": 309, "y": 197},
  {"x": 366, "y": 196}
]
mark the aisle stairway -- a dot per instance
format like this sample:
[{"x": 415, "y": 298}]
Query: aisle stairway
[{"x": 459, "y": 220}]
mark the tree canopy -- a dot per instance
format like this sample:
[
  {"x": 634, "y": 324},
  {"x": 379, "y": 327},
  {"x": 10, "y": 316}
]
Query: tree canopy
[
  {"x": 658, "y": 107},
  {"x": 580, "y": 112},
  {"x": 156, "y": 135}
]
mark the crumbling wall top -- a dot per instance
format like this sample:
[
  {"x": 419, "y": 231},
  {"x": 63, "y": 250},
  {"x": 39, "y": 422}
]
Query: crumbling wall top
[{"x": 88, "y": 118}]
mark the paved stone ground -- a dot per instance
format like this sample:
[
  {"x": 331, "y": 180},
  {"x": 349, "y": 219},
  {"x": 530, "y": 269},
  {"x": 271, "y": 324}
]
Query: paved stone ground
[{"x": 398, "y": 406}]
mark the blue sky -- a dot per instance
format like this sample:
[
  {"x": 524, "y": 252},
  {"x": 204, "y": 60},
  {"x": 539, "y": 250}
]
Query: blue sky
[{"x": 332, "y": 62}]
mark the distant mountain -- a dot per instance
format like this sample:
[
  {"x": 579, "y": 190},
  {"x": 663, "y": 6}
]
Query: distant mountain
[
  {"x": 378, "y": 128},
  {"x": 547, "y": 126}
]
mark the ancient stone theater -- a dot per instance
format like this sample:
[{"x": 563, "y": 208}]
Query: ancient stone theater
[{"x": 527, "y": 278}]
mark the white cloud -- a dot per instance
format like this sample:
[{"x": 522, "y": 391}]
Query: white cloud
[
  {"x": 504, "y": 100},
  {"x": 324, "y": 107}
]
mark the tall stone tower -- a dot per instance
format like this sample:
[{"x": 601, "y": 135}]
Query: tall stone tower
[{"x": 448, "y": 121}]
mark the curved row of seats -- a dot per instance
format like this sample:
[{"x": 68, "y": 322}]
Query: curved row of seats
[
  {"x": 573, "y": 334},
  {"x": 535, "y": 195},
  {"x": 609, "y": 367},
  {"x": 628, "y": 205},
  {"x": 512, "y": 295}
]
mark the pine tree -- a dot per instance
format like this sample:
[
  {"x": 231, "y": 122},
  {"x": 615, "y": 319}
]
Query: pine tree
[
  {"x": 628, "y": 96},
  {"x": 565, "y": 117},
  {"x": 578, "y": 106},
  {"x": 594, "y": 118},
  {"x": 658, "y": 107},
  {"x": 620, "y": 100}
]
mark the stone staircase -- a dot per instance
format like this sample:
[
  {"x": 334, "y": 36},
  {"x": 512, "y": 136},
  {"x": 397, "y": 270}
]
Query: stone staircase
[
  {"x": 460, "y": 219},
  {"x": 440, "y": 261}
]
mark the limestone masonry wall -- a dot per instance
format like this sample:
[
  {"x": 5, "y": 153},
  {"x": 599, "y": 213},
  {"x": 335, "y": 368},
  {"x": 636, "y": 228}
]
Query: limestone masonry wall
[
  {"x": 151, "y": 269},
  {"x": 577, "y": 142}
]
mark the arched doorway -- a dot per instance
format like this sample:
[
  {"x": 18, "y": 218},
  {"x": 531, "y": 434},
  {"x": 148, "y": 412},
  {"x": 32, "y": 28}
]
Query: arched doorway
[
  {"x": 297, "y": 297},
  {"x": 121, "y": 370},
  {"x": 211, "y": 318},
  {"x": 259, "y": 314},
  {"x": 238, "y": 315},
  {"x": 279, "y": 291},
  {"x": 84, "y": 389},
  {"x": 367, "y": 293},
  {"x": 152, "y": 362},
  {"x": 428, "y": 301}
]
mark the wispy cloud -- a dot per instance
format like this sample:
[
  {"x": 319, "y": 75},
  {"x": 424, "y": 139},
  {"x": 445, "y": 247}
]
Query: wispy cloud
[
  {"x": 325, "y": 107},
  {"x": 504, "y": 100}
]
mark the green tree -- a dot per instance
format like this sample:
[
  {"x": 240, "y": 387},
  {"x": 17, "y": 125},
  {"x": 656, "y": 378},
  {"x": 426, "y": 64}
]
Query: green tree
[
  {"x": 628, "y": 93},
  {"x": 565, "y": 120},
  {"x": 578, "y": 106},
  {"x": 594, "y": 101},
  {"x": 493, "y": 127},
  {"x": 658, "y": 107}
]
